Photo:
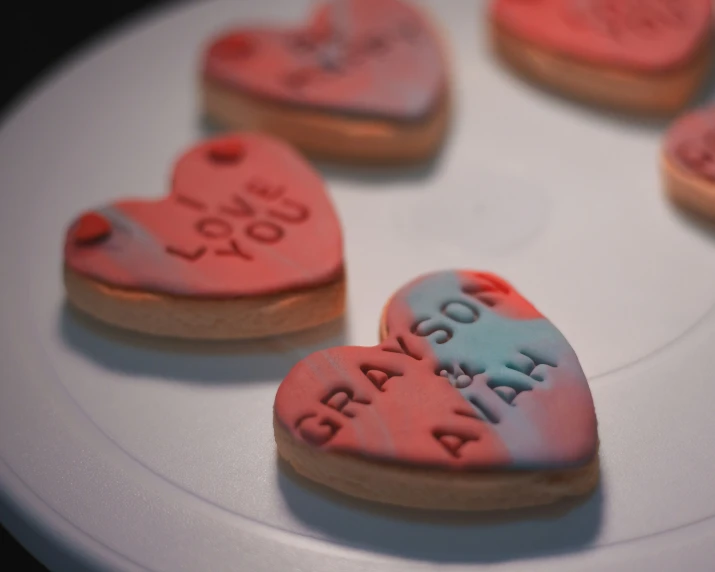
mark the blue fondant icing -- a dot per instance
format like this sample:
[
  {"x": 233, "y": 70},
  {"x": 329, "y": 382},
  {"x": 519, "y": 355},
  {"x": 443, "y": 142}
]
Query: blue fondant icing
[
  {"x": 136, "y": 250},
  {"x": 495, "y": 352}
]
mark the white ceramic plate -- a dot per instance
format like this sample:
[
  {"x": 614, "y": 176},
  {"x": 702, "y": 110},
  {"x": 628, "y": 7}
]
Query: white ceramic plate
[{"x": 118, "y": 452}]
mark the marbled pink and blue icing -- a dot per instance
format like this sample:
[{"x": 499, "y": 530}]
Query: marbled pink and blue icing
[
  {"x": 469, "y": 375},
  {"x": 375, "y": 58},
  {"x": 245, "y": 216}
]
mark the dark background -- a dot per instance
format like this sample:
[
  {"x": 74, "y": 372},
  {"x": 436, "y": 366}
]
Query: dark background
[
  {"x": 36, "y": 37},
  {"x": 39, "y": 35}
]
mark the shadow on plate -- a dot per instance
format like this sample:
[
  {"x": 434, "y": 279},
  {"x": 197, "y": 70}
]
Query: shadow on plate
[
  {"x": 705, "y": 95},
  {"x": 202, "y": 362},
  {"x": 380, "y": 176},
  {"x": 447, "y": 537},
  {"x": 698, "y": 222}
]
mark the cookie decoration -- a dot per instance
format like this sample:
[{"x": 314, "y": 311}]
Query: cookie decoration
[
  {"x": 643, "y": 56},
  {"x": 472, "y": 400},
  {"x": 246, "y": 244},
  {"x": 363, "y": 80}
]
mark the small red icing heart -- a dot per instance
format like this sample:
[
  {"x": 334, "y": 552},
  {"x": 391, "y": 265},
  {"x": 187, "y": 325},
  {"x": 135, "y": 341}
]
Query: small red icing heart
[
  {"x": 235, "y": 46},
  {"x": 646, "y": 35},
  {"x": 246, "y": 215},
  {"x": 226, "y": 151},
  {"x": 90, "y": 228},
  {"x": 368, "y": 57},
  {"x": 468, "y": 375}
]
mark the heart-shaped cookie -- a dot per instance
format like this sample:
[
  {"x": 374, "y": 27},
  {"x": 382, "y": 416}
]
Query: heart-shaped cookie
[
  {"x": 246, "y": 244},
  {"x": 640, "y": 55},
  {"x": 362, "y": 80},
  {"x": 688, "y": 161},
  {"x": 472, "y": 400}
]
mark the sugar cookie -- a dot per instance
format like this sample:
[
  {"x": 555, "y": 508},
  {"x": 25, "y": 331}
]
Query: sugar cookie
[
  {"x": 472, "y": 400},
  {"x": 246, "y": 244},
  {"x": 688, "y": 162},
  {"x": 363, "y": 81},
  {"x": 647, "y": 56}
]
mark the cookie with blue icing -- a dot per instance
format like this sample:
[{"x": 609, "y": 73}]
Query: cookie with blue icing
[
  {"x": 472, "y": 400},
  {"x": 361, "y": 80},
  {"x": 244, "y": 244}
]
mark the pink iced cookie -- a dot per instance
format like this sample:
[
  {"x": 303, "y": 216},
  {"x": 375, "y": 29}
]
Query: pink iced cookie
[
  {"x": 370, "y": 69},
  {"x": 247, "y": 224},
  {"x": 690, "y": 143},
  {"x": 627, "y": 47},
  {"x": 688, "y": 161},
  {"x": 470, "y": 384},
  {"x": 648, "y": 35}
]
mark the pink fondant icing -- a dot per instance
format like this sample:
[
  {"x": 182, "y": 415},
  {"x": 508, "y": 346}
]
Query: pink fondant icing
[
  {"x": 246, "y": 215},
  {"x": 364, "y": 57},
  {"x": 690, "y": 143},
  {"x": 647, "y": 35},
  {"x": 470, "y": 375}
]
